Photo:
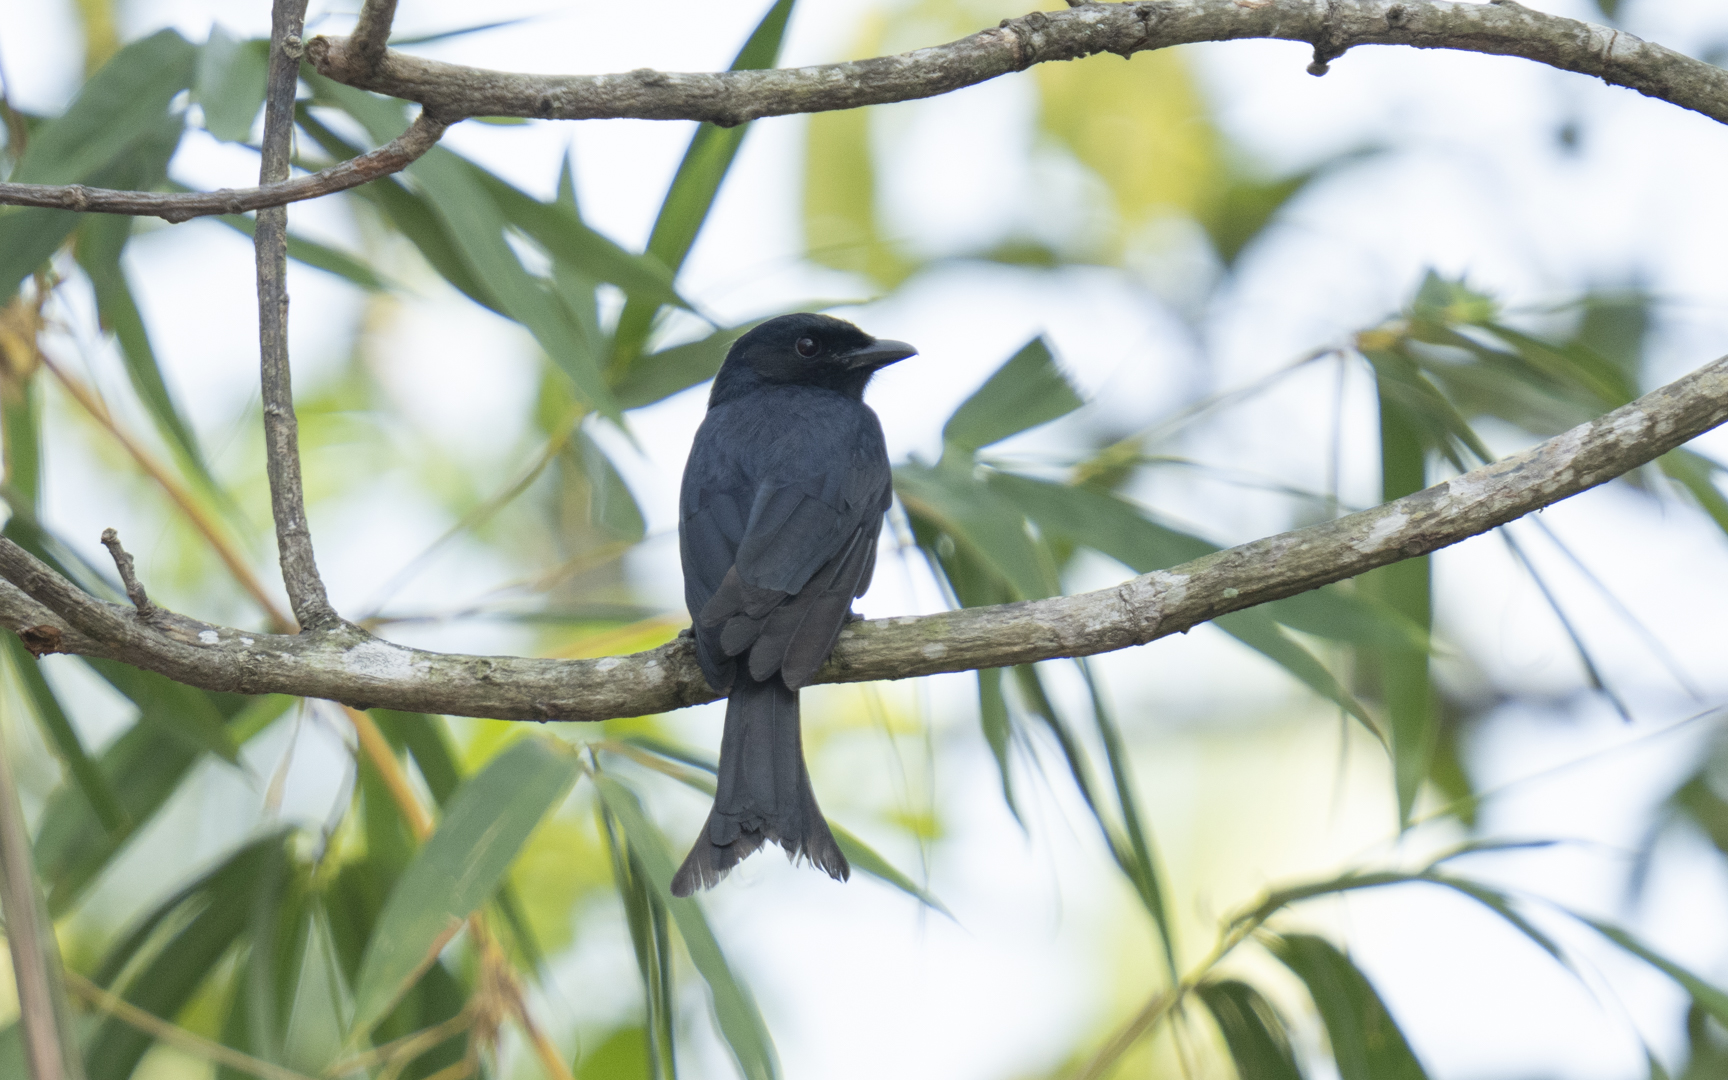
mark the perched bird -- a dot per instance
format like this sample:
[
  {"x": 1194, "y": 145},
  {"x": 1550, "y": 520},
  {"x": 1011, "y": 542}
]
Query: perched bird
[{"x": 781, "y": 506}]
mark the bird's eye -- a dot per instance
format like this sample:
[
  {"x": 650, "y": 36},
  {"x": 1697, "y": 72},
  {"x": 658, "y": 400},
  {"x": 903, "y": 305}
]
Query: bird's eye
[{"x": 807, "y": 347}]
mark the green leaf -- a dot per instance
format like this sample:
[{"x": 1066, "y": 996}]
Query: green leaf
[
  {"x": 1699, "y": 476},
  {"x": 647, "y": 919},
  {"x": 862, "y": 857},
  {"x": 1254, "y": 628},
  {"x": 187, "y": 937},
  {"x": 101, "y": 240},
  {"x": 1245, "y": 204},
  {"x": 118, "y": 127},
  {"x": 734, "y": 1007},
  {"x": 662, "y": 374},
  {"x": 1114, "y": 527},
  {"x": 865, "y": 858},
  {"x": 426, "y": 737},
  {"x": 475, "y": 223},
  {"x": 1253, "y": 1029},
  {"x": 458, "y": 869},
  {"x": 230, "y": 87},
  {"x": 567, "y": 240},
  {"x": 1026, "y": 391},
  {"x": 172, "y": 708},
  {"x": 144, "y": 769},
  {"x": 411, "y": 215},
  {"x": 130, "y": 94},
  {"x": 1405, "y": 587},
  {"x": 319, "y": 1005},
  {"x": 703, "y": 169},
  {"x": 998, "y": 727},
  {"x": 840, "y": 222},
  {"x": 64, "y": 738},
  {"x": 1366, "y": 1042},
  {"x": 21, "y": 438},
  {"x": 621, "y": 1054},
  {"x": 952, "y": 498},
  {"x": 312, "y": 253},
  {"x": 1705, "y": 995}
]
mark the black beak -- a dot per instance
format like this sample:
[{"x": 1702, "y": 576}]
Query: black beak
[{"x": 878, "y": 354}]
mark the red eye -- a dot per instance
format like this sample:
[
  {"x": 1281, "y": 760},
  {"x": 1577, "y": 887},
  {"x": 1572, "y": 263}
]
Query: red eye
[{"x": 807, "y": 347}]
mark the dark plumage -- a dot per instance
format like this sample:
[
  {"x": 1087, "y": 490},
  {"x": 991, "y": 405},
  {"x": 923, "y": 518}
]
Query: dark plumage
[{"x": 781, "y": 506}]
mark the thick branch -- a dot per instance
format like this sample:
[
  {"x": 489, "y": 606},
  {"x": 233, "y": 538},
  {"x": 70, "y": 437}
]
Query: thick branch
[
  {"x": 451, "y": 92},
  {"x": 392, "y": 157},
  {"x": 1331, "y": 26},
  {"x": 348, "y": 665},
  {"x": 270, "y": 243}
]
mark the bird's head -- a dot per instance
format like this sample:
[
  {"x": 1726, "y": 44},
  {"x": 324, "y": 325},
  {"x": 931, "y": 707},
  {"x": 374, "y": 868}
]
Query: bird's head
[{"x": 806, "y": 350}]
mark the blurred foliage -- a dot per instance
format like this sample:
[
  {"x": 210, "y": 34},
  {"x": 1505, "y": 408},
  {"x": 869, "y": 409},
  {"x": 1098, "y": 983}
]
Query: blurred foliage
[{"x": 412, "y": 932}]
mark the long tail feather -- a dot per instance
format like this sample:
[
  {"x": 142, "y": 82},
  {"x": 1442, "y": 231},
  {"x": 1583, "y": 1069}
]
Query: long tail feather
[{"x": 763, "y": 792}]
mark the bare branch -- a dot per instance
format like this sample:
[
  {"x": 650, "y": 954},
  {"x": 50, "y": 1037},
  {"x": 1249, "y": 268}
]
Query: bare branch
[
  {"x": 1331, "y": 26},
  {"x": 270, "y": 243},
  {"x": 372, "y": 33},
  {"x": 451, "y": 92},
  {"x": 392, "y": 157},
  {"x": 128, "y": 574},
  {"x": 346, "y": 664}
]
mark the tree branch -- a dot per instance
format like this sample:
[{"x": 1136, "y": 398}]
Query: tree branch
[
  {"x": 451, "y": 92},
  {"x": 346, "y": 664},
  {"x": 392, "y": 157},
  {"x": 372, "y": 33},
  {"x": 1331, "y": 26},
  {"x": 270, "y": 243}
]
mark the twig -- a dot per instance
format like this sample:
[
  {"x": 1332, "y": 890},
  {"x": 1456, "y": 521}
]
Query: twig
[
  {"x": 729, "y": 98},
  {"x": 405, "y": 1049},
  {"x": 377, "y": 750},
  {"x": 392, "y": 157},
  {"x": 270, "y": 242},
  {"x": 174, "y": 1035},
  {"x": 50, "y": 1050},
  {"x": 372, "y": 33},
  {"x": 128, "y": 574}
]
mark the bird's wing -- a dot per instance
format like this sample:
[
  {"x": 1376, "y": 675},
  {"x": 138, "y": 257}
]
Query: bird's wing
[{"x": 807, "y": 550}]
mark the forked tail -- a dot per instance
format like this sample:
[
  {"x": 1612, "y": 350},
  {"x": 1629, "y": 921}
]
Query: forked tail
[{"x": 763, "y": 792}]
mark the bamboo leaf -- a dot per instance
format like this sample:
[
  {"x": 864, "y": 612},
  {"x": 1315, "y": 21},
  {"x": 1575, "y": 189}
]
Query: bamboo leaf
[
  {"x": 1405, "y": 587},
  {"x": 694, "y": 186},
  {"x": 475, "y": 224},
  {"x": 1253, "y": 1029},
  {"x": 662, "y": 374},
  {"x": 997, "y": 723},
  {"x": 90, "y": 781},
  {"x": 198, "y": 926},
  {"x": 734, "y": 1007},
  {"x": 951, "y": 498},
  {"x": 862, "y": 857},
  {"x": 1705, "y": 995},
  {"x": 101, "y": 240},
  {"x": 458, "y": 869},
  {"x": 230, "y": 84},
  {"x": 646, "y": 918},
  {"x": 119, "y": 120},
  {"x": 312, "y": 253},
  {"x": 1026, "y": 391},
  {"x": 427, "y": 738},
  {"x": 1366, "y": 1042}
]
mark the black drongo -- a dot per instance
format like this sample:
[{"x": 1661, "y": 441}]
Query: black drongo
[{"x": 782, "y": 502}]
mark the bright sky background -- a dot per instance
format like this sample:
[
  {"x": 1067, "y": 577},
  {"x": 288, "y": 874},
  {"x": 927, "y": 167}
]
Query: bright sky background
[{"x": 1241, "y": 775}]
